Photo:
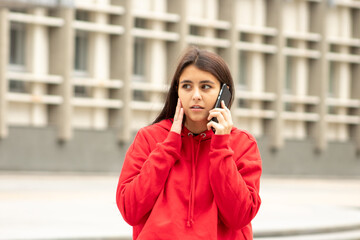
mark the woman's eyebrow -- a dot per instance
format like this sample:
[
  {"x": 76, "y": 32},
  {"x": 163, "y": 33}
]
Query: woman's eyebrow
[
  {"x": 207, "y": 81},
  {"x": 202, "y": 81},
  {"x": 186, "y": 81}
]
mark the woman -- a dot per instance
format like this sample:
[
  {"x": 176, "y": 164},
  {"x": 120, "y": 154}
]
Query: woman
[{"x": 181, "y": 180}]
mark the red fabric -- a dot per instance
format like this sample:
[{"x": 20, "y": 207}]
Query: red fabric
[{"x": 183, "y": 187}]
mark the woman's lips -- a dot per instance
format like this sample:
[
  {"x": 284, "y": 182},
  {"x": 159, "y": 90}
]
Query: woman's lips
[{"x": 196, "y": 108}]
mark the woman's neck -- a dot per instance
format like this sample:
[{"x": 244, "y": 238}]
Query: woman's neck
[{"x": 196, "y": 127}]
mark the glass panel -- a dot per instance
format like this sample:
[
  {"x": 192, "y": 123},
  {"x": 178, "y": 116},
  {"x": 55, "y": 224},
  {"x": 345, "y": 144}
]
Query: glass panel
[
  {"x": 243, "y": 70},
  {"x": 17, "y": 86},
  {"x": 331, "y": 88},
  {"x": 82, "y": 15},
  {"x": 17, "y": 44},
  {"x": 81, "y": 91},
  {"x": 81, "y": 51},
  {"x": 139, "y": 57},
  {"x": 140, "y": 23},
  {"x": 289, "y": 75}
]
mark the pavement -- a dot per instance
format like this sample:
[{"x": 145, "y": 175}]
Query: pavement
[{"x": 69, "y": 206}]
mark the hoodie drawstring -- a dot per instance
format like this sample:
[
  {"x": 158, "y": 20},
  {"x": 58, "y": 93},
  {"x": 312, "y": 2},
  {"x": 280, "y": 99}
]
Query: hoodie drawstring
[{"x": 194, "y": 157}]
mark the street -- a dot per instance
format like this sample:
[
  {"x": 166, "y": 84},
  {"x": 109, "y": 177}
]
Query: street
[{"x": 82, "y": 206}]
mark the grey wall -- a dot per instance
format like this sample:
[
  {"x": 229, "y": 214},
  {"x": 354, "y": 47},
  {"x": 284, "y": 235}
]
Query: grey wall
[
  {"x": 37, "y": 149},
  {"x": 301, "y": 158}
]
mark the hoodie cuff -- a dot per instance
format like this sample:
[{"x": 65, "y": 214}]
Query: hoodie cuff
[
  {"x": 173, "y": 140},
  {"x": 220, "y": 141}
]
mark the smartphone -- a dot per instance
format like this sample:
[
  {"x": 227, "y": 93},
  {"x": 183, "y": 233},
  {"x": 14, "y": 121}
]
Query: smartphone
[{"x": 225, "y": 95}]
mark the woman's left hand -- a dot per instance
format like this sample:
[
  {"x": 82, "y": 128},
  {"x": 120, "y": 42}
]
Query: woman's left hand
[{"x": 223, "y": 116}]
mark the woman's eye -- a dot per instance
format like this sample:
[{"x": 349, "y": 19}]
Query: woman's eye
[
  {"x": 186, "y": 86},
  {"x": 206, "y": 86}
]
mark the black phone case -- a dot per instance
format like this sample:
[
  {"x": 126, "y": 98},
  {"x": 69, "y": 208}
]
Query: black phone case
[{"x": 225, "y": 95}]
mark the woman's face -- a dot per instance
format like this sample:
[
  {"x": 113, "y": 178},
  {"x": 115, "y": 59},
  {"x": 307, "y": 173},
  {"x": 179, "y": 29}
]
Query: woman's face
[{"x": 198, "y": 91}]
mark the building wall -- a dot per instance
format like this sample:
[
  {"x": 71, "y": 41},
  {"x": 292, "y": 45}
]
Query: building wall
[
  {"x": 32, "y": 149},
  {"x": 101, "y": 66}
]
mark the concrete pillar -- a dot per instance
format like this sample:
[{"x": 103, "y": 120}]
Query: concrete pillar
[
  {"x": 61, "y": 63},
  {"x": 4, "y": 58},
  {"x": 122, "y": 69},
  {"x": 209, "y": 8},
  {"x": 100, "y": 70},
  {"x": 356, "y": 73},
  {"x": 37, "y": 59},
  {"x": 276, "y": 75},
  {"x": 257, "y": 66},
  {"x": 256, "y": 72},
  {"x": 301, "y": 65},
  {"x": 344, "y": 71},
  {"x": 301, "y": 86},
  {"x": 157, "y": 56},
  {"x": 175, "y": 49},
  {"x": 344, "y": 93},
  {"x": 322, "y": 72},
  {"x": 356, "y": 94},
  {"x": 157, "y": 50},
  {"x": 227, "y": 12}
]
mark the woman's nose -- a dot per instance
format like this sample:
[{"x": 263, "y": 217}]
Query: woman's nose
[{"x": 196, "y": 94}]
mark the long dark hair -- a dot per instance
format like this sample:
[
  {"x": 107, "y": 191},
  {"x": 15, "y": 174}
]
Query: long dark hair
[{"x": 203, "y": 60}]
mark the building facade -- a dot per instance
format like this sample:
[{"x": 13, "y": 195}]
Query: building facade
[{"x": 100, "y": 66}]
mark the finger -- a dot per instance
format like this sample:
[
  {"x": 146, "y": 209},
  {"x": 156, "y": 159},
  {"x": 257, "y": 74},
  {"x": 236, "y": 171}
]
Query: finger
[
  {"x": 220, "y": 117},
  {"x": 178, "y": 118},
  {"x": 219, "y": 129},
  {"x": 210, "y": 125},
  {"x": 212, "y": 111},
  {"x": 177, "y": 110},
  {"x": 181, "y": 111},
  {"x": 224, "y": 107},
  {"x": 181, "y": 115},
  {"x": 215, "y": 113},
  {"x": 223, "y": 126},
  {"x": 227, "y": 112}
]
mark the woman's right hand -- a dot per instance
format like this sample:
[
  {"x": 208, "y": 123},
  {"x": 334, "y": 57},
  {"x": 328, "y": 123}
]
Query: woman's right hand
[{"x": 178, "y": 118}]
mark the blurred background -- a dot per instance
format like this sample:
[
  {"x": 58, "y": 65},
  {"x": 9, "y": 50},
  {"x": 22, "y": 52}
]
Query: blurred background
[{"x": 79, "y": 78}]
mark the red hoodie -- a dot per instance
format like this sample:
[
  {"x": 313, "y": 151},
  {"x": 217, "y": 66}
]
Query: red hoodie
[{"x": 176, "y": 186}]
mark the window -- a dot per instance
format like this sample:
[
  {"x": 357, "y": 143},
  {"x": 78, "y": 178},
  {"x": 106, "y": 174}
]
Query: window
[
  {"x": 17, "y": 86},
  {"x": 139, "y": 57},
  {"x": 17, "y": 45},
  {"x": 81, "y": 60},
  {"x": 195, "y": 30},
  {"x": 17, "y": 55},
  {"x": 243, "y": 70},
  {"x": 289, "y": 75},
  {"x": 81, "y": 51},
  {"x": 81, "y": 91},
  {"x": 140, "y": 23},
  {"x": 331, "y": 87},
  {"x": 82, "y": 15}
]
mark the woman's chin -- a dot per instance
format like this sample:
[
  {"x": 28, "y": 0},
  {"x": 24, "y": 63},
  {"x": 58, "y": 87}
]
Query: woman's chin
[{"x": 196, "y": 121}]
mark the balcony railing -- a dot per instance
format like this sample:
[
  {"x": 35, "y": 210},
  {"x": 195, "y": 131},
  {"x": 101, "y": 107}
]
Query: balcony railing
[{"x": 35, "y": 3}]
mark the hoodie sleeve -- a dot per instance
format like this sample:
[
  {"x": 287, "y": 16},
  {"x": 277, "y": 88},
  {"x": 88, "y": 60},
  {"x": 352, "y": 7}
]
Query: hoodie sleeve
[
  {"x": 235, "y": 178},
  {"x": 144, "y": 174}
]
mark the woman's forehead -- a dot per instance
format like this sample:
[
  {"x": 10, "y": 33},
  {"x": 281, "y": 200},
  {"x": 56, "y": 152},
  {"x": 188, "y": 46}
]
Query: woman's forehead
[{"x": 193, "y": 73}]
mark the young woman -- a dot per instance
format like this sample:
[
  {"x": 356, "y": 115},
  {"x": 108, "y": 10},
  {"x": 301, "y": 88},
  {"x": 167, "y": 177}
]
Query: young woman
[{"x": 181, "y": 179}]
